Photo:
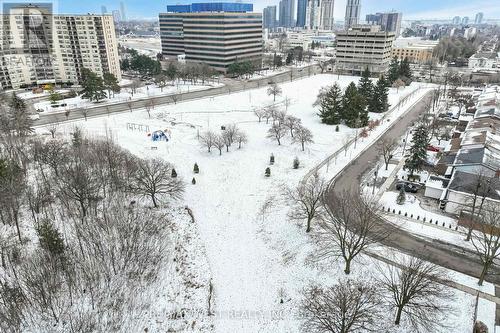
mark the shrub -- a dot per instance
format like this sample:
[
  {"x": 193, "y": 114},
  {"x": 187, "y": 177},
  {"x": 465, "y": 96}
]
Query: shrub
[
  {"x": 174, "y": 173},
  {"x": 271, "y": 159},
  {"x": 268, "y": 172},
  {"x": 196, "y": 169},
  {"x": 296, "y": 163},
  {"x": 50, "y": 239},
  {"x": 193, "y": 181},
  {"x": 337, "y": 128}
]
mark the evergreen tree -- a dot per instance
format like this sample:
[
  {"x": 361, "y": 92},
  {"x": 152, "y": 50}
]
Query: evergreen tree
[
  {"x": 171, "y": 72},
  {"x": 193, "y": 181},
  {"x": 196, "y": 169},
  {"x": 18, "y": 118},
  {"x": 93, "y": 86},
  {"x": 352, "y": 105},
  {"x": 379, "y": 100},
  {"x": 405, "y": 70},
  {"x": 111, "y": 83},
  {"x": 174, "y": 173},
  {"x": 365, "y": 86},
  {"x": 331, "y": 106},
  {"x": 394, "y": 70},
  {"x": 296, "y": 163},
  {"x": 268, "y": 172},
  {"x": 418, "y": 150},
  {"x": 50, "y": 238},
  {"x": 400, "y": 200}
]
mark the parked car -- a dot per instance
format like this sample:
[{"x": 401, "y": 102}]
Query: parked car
[{"x": 411, "y": 188}]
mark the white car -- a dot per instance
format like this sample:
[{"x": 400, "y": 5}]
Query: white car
[{"x": 34, "y": 116}]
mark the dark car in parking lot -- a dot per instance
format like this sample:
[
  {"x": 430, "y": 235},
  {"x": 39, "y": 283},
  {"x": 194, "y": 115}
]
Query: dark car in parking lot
[{"x": 411, "y": 188}]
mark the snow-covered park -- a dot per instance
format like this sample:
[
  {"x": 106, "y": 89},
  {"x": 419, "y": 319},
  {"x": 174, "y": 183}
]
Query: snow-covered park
[{"x": 256, "y": 256}]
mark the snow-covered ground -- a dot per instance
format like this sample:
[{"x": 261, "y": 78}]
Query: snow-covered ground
[
  {"x": 150, "y": 46},
  {"x": 124, "y": 95},
  {"x": 255, "y": 254}
]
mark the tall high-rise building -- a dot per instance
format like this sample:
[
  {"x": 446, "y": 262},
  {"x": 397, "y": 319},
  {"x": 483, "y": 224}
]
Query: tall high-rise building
[
  {"x": 479, "y": 18},
  {"x": 301, "y": 13},
  {"x": 217, "y": 34},
  {"x": 465, "y": 20},
  {"x": 287, "y": 11},
  {"x": 327, "y": 9},
  {"x": 122, "y": 10},
  {"x": 117, "y": 16},
  {"x": 390, "y": 22},
  {"x": 104, "y": 10},
  {"x": 62, "y": 46},
  {"x": 269, "y": 17},
  {"x": 313, "y": 14},
  {"x": 352, "y": 12},
  {"x": 456, "y": 20}
]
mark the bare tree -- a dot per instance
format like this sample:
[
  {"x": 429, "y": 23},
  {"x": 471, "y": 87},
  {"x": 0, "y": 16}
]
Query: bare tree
[
  {"x": 487, "y": 242},
  {"x": 260, "y": 113},
  {"x": 241, "y": 138},
  {"x": 85, "y": 113},
  {"x": 306, "y": 200},
  {"x": 279, "y": 117},
  {"x": 274, "y": 90},
  {"x": 291, "y": 123},
  {"x": 277, "y": 132},
  {"x": 348, "y": 228},
  {"x": 323, "y": 65},
  {"x": 13, "y": 190},
  {"x": 219, "y": 143},
  {"x": 153, "y": 179},
  {"x": 385, "y": 148},
  {"x": 302, "y": 136},
  {"x": 175, "y": 98},
  {"x": 136, "y": 83},
  {"x": 230, "y": 132},
  {"x": 207, "y": 139},
  {"x": 270, "y": 112},
  {"x": 53, "y": 128},
  {"x": 130, "y": 104},
  {"x": 346, "y": 307},
  {"x": 415, "y": 292}
]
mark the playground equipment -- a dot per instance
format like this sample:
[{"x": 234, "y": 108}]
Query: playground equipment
[{"x": 160, "y": 135}]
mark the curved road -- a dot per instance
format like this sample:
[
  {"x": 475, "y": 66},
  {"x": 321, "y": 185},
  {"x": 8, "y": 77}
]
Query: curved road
[{"x": 439, "y": 253}]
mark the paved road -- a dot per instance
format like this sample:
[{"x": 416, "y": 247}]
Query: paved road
[
  {"x": 230, "y": 87},
  {"x": 442, "y": 254}
]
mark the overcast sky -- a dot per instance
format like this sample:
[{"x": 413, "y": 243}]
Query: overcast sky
[{"x": 412, "y": 9}]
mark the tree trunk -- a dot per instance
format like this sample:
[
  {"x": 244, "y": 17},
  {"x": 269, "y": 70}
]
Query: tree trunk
[
  {"x": 483, "y": 274},
  {"x": 398, "y": 315},
  {"x": 154, "y": 200},
  {"x": 303, "y": 148},
  {"x": 308, "y": 228},
  {"x": 347, "y": 269}
]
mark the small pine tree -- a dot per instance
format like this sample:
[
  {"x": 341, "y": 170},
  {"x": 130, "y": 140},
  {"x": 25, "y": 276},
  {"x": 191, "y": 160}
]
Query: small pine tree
[
  {"x": 50, "y": 239},
  {"x": 394, "y": 70},
  {"x": 174, "y": 173},
  {"x": 352, "y": 104},
  {"x": 296, "y": 163},
  {"x": 268, "y": 172},
  {"x": 379, "y": 99},
  {"x": 271, "y": 159},
  {"x": 77, "y": 138},
  {"x": 365, "y": 87},
  {"x": 196, "y": 169},
  {"x": 331, "y": 106},
  {"x": 401, "y": 199},
  {"x": 193, "y": 181},
  {"x": 405, "y": 70},
  {"x": 337, "y": 128},
  {"x": 418, "y": 150}
]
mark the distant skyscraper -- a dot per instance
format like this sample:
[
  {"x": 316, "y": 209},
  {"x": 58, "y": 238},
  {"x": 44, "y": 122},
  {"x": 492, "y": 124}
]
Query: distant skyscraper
[
  {"x": 352, "y": 11},
  {"x": 287, "y": 9},
  {"x": 313, "y": 14},
  {"x": 465, "y": 20},
  {"x": 117, "y": 17},
  {"x": 479, "y": 18},
  {"x": 122, "y": 9},
  {"x": 327, "y": 8},
  {"x": 456, "y": 20},
  {"x": 301, "y": 13},
  {"x": 390, "y": 22},
  {"x": 104, "y": 10},
  {"x": 269, "y": 17}
]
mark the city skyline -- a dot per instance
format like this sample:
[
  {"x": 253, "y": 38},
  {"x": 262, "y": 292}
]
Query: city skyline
[{"x": 425, "y": 9}]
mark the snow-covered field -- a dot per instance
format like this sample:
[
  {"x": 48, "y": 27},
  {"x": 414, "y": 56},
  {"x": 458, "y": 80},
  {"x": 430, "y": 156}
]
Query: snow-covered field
[
  {"x": 124, "y": 95},
  {"x": 256, "y": 255}
]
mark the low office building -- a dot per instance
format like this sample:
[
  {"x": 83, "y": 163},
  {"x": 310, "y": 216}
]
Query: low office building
[
  {"x": 56, "y": 48},
  {"x": 415, "y": 50},
  {"x": 364, "y": 47},
  {"x": 217, "y": 34}
]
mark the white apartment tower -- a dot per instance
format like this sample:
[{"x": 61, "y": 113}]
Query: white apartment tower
[
  {"x": 352, "y": 12},
  {"x": 313, "y": 14},
  {"x": 40, "y": 48}
]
